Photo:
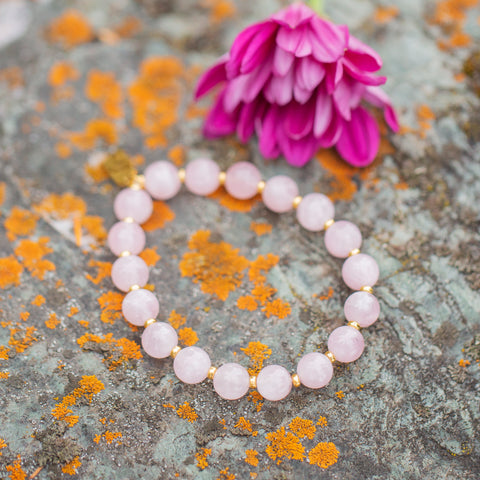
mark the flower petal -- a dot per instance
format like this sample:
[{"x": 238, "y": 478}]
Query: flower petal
[
  {"x": 282, "y": 61},
  {"x": 366, "y": 78},
  {"x": 298, "y": 121},
  {"x": 279, "y": 90},
  {"x": 333, "y": 131},
  {"x": 360, "y": 139},
  {"x": 259, "y": 48},
  {"x": 363, "y": 56},
  {"x": 309, "y": 73},
  {"x": 298, "y": 152},
  {"x": 378, "y": 98},
  {"x": 212, "y": 77},
  {"x": 323, "y": 112},
  {"x": 267, "y": 133},
  {"x": 333, "y": 75},
  {"x": 300, "y": 94},
  {"x": 328, "y": 41},
  {"x": 219, "y": 122},
  {"x": 294, "y": 15},
  {"x": 249, "y": 115}
]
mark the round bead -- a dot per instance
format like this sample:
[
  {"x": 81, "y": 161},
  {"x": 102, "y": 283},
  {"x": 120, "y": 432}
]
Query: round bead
[
  {"x": 202, "y": 176},
  {"x": 314, "y": 210},
  {"x": 346, "y": 343},
  {"x": 138, "y": 306},
  {"x": 359, "y": 271},
  {"x": 125, "y": 236},
  {"x": 158, "y": 339},
  {"x": 128, "y": 271},
  {"x": 274, "y": 382},
  {"x": 279, "y": 193},
  {"x": 136, "y": 204},
  {"x": 242, "y": 180},
  {"x": 341, "y": 238},
  {"x": 363, "y": 308},
  {"x": 161, "y": 180},
  {"x": 191, "y": 365},
  {"x": 231, "y": 381},
  {"x": 315, "y": 370}
]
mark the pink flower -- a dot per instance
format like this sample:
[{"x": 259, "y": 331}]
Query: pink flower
[{"x": 301, "y": 83}]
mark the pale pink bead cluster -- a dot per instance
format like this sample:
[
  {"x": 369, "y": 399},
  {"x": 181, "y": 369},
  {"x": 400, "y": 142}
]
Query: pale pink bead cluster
[{"x": 315, "y": 212}]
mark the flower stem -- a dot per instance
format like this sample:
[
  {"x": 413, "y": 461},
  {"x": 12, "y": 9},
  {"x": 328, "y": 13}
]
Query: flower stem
[{"x": 317, "y": 5}]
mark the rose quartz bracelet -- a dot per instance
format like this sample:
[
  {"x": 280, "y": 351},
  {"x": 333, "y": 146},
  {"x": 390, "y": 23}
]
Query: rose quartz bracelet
[{"x": 126, "y": 239}]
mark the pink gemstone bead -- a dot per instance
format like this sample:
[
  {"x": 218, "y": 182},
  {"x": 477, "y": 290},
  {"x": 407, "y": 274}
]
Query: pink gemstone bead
[
  {"x": 363, "y": 308},
  {"x": 315, "y": 370},
  {"x": 191, "y": 365},
  {"x": 341, "y": 238},
  {"x": 231, "y": 381},
  {"x": 242, "y": 180},
  {"x": 274, "y": 382},
  {"x": 138, "y": 306},
  {"x": 161, "y": 180},
  {"x": 126, "y": 237},
  {"x": 202, "y": 176},
  {"x": 158, "y": 339},
  {"x": 360, "y": 271},
  {"x": 279, "y": 193},
  {"x": 136, "y": 204},
  {"x": 346, "y": 343},
  {"x": 128, "y": 271},
  {"x": 314, "y": 210}
]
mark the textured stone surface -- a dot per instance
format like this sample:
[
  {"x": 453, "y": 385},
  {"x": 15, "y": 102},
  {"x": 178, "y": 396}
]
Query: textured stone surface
[{"x": 406, "y": 409}]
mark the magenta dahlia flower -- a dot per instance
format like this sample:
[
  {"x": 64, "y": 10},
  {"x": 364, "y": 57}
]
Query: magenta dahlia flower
[{"x": 301, "y": 83}]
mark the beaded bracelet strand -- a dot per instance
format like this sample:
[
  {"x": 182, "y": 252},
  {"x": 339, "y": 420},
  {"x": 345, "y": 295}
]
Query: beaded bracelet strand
[{"x": 315, "y": 212}]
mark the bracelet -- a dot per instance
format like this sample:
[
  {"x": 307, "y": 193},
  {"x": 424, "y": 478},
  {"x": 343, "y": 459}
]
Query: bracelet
[{"x": 315, "y": 212}]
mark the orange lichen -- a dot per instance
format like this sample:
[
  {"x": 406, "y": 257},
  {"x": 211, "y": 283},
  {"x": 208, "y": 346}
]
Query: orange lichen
[
  {"x": 187, "y": 412},
  {"x": 20, "y": 223},
  {"x": 109, "y": 437},
  {"x": 70, "y": 468},
  {"x": 322, "y": 422},
  {"x": 233, "y": 204},
  {"x": 38, "y": 301},
  {"x": 284, "y": 445},
  {"x": 4, "y": 376},
  {"x": 262, "y": 293},
  {"x": 97, "y": 129},
  {"x": 32, "y": 254},
  {"x": 104, "y": 270},
  {"x": 21, "y": 339},
  {"x": 385, "y": 14},
  {"x": 261, "y": 228},
  {"x": 327, "y": 296},
  {"x": 4, "y": 352},
  {"x": 177, "y": 155},
  {"x": 324, "y": 454},
  {"x": 256, "y": 399},
  {"x": 187, "y": 336},
  {"x": 161, "y": 214},
  {"x": 226, "y": 475},
  {"x": 150, "y": 256},
  {"x": 73, "y": 311},
  {"x": 247, "y": 302},
  {"x": 201, "y": 458},
  {"x": 84, "y": 323},
  {"x": 111, "y": 306},
  {"x": 220, "y": 10},
  {"x": 128, "y": 27},
  {"x": 12, "y": 77},
  {"x": 463, "y": 363},
  {"x": 52, "y": 321},
  {"x": 260, "y": 266},
  {"x": 176, "y": 320},
  {"x": 103, "y": 88},
  {"x": 216, "y": 266},
  {"x": 16, "y": 470},
  {"x": 257, "y": 353},
  {"x": 251, "y": 457},
  {"x": 302, "y": 427},
  {"x": 61, "y": 207},
  {"x": 246, "y": 426},
  {"x": 340, "y": 394},
  {"x": 2, "y": 445},
  {"x": 61, "y": 73},
  {"x": 3, "y": 189},
  {"x": 70, "y": 29},
  {"x": 10, "y": 271},
  {"x": 278, "y": 308},
  {"x": 24, "y": 316}
]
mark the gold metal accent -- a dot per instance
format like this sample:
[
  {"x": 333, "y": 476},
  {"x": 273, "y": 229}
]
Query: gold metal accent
[
  {"x": 125, "y": 253},
  {"x": 296, "y": 201},
  {"x": 330, "y": 356},
  {"x": 355, "y": 251},
  {"x": 211, "y": 372},
  {"x": 175, "y": 351},
  {"x": 261, "y": 186},
  {"x": 296, "y": 380},
  {"x": 367, "y": 289},
  {"x": 328, "y": 224},
  {"x": 181, "y": 174},
  {"x": 138, "y": 183},
  {"x": 149, "y": 322},
  {"x": 120, "y": 168},
  {"x": 354, "y": 325},
  {"x": 222, "y": 176},
  {"x": 134, "y": 287},
  {"x": 253, "y": 381},
  {"x": 128, "y": 220}
]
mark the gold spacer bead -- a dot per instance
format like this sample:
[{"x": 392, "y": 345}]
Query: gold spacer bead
[
  {"x": 261, "y": 186},
  {"x": 330, "y": 356},
  {"x": 149, "y": 322},
  {"x": 367, "y": 289},
  {"x": 328, "y": 224},
  {"x": 128, "y": 220},
  {"x": 138, "y": 182},
  {"x": 296, "y": 201},
  {"x": 181, "y": 174},
  {"x": 125, "y": 253},
  {"x": 296, "y": 380},
  {"x": 211, "y": 372},
  {"x": 134, "y": 287},
  {"x": 253, "y": 381},
  {"x": 222, "y": 176},
  {"x": 355, "y": 251},
  {"x": 175, "y": 351},
  {"x": 354, "y": 325}
]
